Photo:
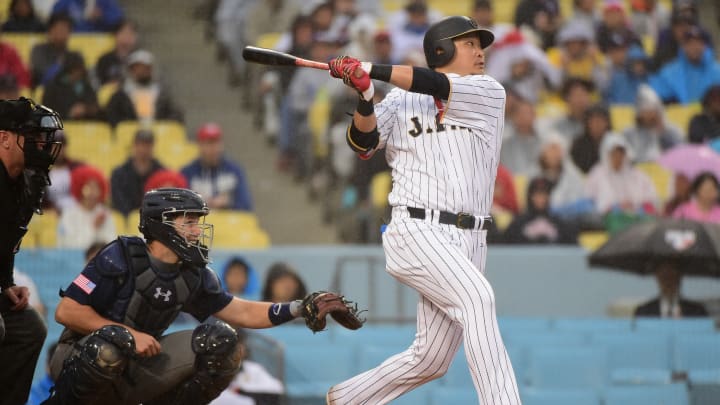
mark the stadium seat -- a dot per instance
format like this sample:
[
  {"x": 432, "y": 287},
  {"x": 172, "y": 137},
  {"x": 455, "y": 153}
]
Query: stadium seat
[
  {"x": 80, "y": 134},
  {"x": 593, "y": 325},
  {"x": 592, "y": 240},
  {"x": 680, "y": 114},
  {"x": 674, "y": 326},
  {"x": 396, "y": 335},
  {"x": 634, "y": 350},
  {"x": 91, "y": 45},
  {"x": 521, "y": 183},
  {"x": 371, "y": 356},
  {"x": 310, "y": 369},
  {"x": 23, "y": 43},
  {"x": 504, "y": 11},
  {"x": 567, "y": 367},
  {"x": 44, "y": 227},
  {"x": 512, "y": 324},
  {"x": 120, "y": 222},
  {"x": 455, "y": 7},
  {"x": 175, "y": 156},
  {"x": 539, "y": 396},
  {"x": 167, "y": 133},
  {"x": 670, "y": 394},
  {"x": 4, "y": 8},
  {"x": 105, "y": 93},
  {"x": 452, "y": 395},
  {"x": 133, "y": 221},
  {"x": 380, "y": 186},
  {"x": 502, "y": 219},
  {"x": 622, "y": 116},
  {"x": 232, "y": 219},
  {"x": 705, "y": 376},
  {"x": 296, "y": 333},
  {"x": 38, "y": 93},
  {"x": 640, "y": 376},
  {"x": 697, "y": 351},
  {"x": 241, "y": 239},
  {"x": 268, "y": 40},
  {"x": 545, "y": 339},
  {"x": 318, "y": 119},
  {"x": 661, "y": 177},
  {"x": 704, "y": 386}
]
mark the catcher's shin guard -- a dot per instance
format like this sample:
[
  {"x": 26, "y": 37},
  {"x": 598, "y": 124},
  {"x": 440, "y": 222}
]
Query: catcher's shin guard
[
  {"x": 217, "y": 360},
  {"x": 88, "y": 375}
]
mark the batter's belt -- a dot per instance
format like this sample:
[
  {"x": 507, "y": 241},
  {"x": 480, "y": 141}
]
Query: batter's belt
[{"x": 462, "y": 220}]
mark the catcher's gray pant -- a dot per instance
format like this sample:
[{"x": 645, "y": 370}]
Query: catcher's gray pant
[
  {"x": 445, "y": 265},
  {"x": 144, "y": 378}
]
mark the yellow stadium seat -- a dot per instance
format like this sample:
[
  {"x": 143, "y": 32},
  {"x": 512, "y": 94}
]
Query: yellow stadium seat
[
  {"x": 504, "y": 10},
  {"x": 105, "y": 92},
  {"x": 454, "y": 7},
  {"x": 91, "y": 46},
  {"x": 120, "y": 222},
  {"x": 390, "y": 6},
  {"x": 242, "y": 239},
  {"x": 23, "y": 43},
  {"x": 28, "y": 93},
  {"x": 502, "y": 219},
  {"x": 132, "y": 223},
  {"x": 661, "y": 177},
  {"x": 380, "y": 187},
  {"x": 318, "y": 118},
  {"x": 622, "y": 116},
  {"x": 29, "y": 241},
  {"x": 268, "y": 40},
  {"x": 566, "y": 8},
  {"x": 4, "y": 8},
  {"x": 521, "y": 182},
  {"x": 680, "y": 115},
  {"x": 44, "y": 227},
  {"x": 175, "y": 156},
  {"x": 166, "y": 133},
  {"x": 89, "y": 141},
  {"x": 232, "y": 220},
  {"x": 648, "y": 43},
  {"x": 38, "y": 94},
  {"x": 592, "y": 240}
]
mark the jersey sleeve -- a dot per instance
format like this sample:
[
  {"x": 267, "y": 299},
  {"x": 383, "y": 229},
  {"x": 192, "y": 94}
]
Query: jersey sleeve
[
  {"x": 386, "y": 113},
  {"x": 210, "y": 298},
  {"x": 92, "y": 288},
  {"x": 476, "y": 101}
]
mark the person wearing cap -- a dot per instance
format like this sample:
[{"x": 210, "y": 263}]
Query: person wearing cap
[
  {"x": 127, "y": 181},
  {"x": 669, "y": 40},
  {"x": 218, "y": 179},
  {"x": 111, "y": 65},
  {"x": 46, "y": 58},
  {"x": 614, "y": 23},
  {"x": 690, "y": 74},
  {"x": 652, "y": 133},
  {"x": 141, "y": 97},
  {"x": 705, "y": 126},
  {"x": 27, "y": 151}
]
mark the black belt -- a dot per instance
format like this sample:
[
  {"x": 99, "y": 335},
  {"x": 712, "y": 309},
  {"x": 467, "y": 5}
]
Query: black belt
[{"x": 461, "y": 220}]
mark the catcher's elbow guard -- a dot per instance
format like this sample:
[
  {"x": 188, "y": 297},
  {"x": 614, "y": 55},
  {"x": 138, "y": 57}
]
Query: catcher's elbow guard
[{"x": 362, "y": 142}]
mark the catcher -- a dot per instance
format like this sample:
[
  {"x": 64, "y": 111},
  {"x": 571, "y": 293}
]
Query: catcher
[{"x": 115, "y": 312}]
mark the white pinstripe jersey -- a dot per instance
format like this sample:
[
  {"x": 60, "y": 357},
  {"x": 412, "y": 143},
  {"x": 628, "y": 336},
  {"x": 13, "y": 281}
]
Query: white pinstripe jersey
[{"x": 450, "y": 166}]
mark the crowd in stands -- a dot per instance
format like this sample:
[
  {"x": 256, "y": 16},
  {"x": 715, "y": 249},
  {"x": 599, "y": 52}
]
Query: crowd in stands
[{"x": 597, "y": 92}]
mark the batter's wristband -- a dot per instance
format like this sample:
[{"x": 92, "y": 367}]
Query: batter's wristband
[
  {"x": 381, "y": 72},
  {"x": 365, "y": 108}
]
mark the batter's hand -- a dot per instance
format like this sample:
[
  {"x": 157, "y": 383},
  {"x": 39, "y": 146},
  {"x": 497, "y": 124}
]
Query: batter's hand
[
  {"x": 18, "y": 296},
  {"x": 145, "y": 345},
  {"x": 353, "y": 75},
  {"x": 339, "y": 65}
]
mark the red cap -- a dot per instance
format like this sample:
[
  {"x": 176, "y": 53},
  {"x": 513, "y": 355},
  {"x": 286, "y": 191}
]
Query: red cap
[
  {"x": 165, "y": 178},
  {"x": 209, "y": 132}
]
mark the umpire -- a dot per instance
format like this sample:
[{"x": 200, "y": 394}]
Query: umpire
[{"x": 27, "y": 150}]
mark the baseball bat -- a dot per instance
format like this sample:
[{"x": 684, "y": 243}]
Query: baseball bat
[{"x": 271, "y": 57}]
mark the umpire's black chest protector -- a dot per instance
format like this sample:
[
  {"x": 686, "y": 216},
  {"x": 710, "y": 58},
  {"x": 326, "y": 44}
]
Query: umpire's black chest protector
[{"x": 153, "y": 299}]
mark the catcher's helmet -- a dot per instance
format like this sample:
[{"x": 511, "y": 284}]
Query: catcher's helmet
[
  {"x": 438, "y": 42},
  {"x": 159, "y": 209},
  {"x": 37, "y": 124}
]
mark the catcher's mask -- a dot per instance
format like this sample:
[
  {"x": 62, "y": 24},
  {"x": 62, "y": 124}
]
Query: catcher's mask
[
  {"x": 190, "y": 237},
  {"x": 37, "y": 125}
]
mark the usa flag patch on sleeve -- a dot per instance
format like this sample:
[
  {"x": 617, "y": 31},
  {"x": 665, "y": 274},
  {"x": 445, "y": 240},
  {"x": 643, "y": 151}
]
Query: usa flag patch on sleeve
[{"x": 84, "y": 283}]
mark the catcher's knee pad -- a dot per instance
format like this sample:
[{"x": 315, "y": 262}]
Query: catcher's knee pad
[
  {"x": 215, "y": 346},
  {"x": 87, "y": 375}
]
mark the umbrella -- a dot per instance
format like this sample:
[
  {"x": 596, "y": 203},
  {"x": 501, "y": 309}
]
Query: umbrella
[
  {"x": 691, "y": 160},
  {"x": 694, "y": 247}
]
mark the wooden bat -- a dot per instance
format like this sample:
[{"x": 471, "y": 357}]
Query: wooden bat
[{"x": 271, "y": 57}]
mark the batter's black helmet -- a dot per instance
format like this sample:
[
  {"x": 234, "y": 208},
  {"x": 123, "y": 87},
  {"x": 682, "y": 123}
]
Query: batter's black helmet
[{"x": 438, "y": 41}]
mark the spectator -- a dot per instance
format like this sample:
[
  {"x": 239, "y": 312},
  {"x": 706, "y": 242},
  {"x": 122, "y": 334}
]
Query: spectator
[
  {"x": 283, "y": 284},
  {"x": 521, "y": 141},
  {"x": 505, "y": 197},
  {"x": 614, "y": 24},
  {"x": 93, "y": 250},
  {"x": 22, "y": 18},
  {"x": 541, "y": 16},
  {"x": 253, "y": 384},
  {"x": 34, "y": 299},
  {"x": 669, "y": 304},
  {"x": 625, "y": 79},
  {"x": 578, "y": 55},
  {"x": 704, "y": 205},
  {"x": 110, "y": 67},
  {"x": 577, "y": 94},
  {"x": 228, "y": 24},
  {"x": 240, "y": 279},
  {"x": 58, "y": 193},
  {"x": 70, "y": 92},
  {"x": 127, "y": 182},
  {"x": 484, "y": 14},
  {"x": 517, "y": 61},
  {"x": 705, "y": 126},
  {"x": 11, "y": 65},
  {"x": 409, "y": 36},
  {"x": 682, "y": 191},
  {"x": 567, "y": 196},
  {"x": 40, "y": 390},
  {"x": 8, "y": 88},
  {"x": 269, "y": 16},
  {"x": 88, "y": 220},
  {"x": 47, "y": 58},
  {"x": 648, "y": 18},
  {"x": 141, "y": 97},
  {"x": 219, "y": 180},
  {"x": 537, "y": 225},
  {"x": 652, "y": 133},
  {"x": 615, "y": 185},
  {"x": 164, "y": 178},
  {"x": 91, "y": 15},
  {"x": 585, "y": 12},
  {"x": 668, "y": 43},
  {"x": 585, "y": 150},
  {"x": 686, "y": 79}
]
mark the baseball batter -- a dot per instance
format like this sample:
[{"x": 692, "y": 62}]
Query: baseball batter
[{"x": 441, "y": 130}]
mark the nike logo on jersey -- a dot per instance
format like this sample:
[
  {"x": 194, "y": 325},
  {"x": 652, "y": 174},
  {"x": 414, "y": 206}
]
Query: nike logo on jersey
[{"x": 418, "y": 130}]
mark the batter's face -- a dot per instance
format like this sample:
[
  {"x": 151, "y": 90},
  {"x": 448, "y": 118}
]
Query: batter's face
[{"x": 469, "y": 58}]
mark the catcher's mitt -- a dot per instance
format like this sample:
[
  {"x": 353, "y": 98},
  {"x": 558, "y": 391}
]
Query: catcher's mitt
[{"x": 316, "y": 306}]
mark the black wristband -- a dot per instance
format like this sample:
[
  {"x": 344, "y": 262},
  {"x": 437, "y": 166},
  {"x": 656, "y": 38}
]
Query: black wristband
[
  {"x": 365, "y": 108},
  {"x": 280, "y": 313},
  {"x": 381, "y": 72}
]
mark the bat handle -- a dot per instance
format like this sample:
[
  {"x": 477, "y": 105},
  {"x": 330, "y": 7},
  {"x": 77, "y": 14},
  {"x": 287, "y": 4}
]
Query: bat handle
[{"x": 312, "y": 64}]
